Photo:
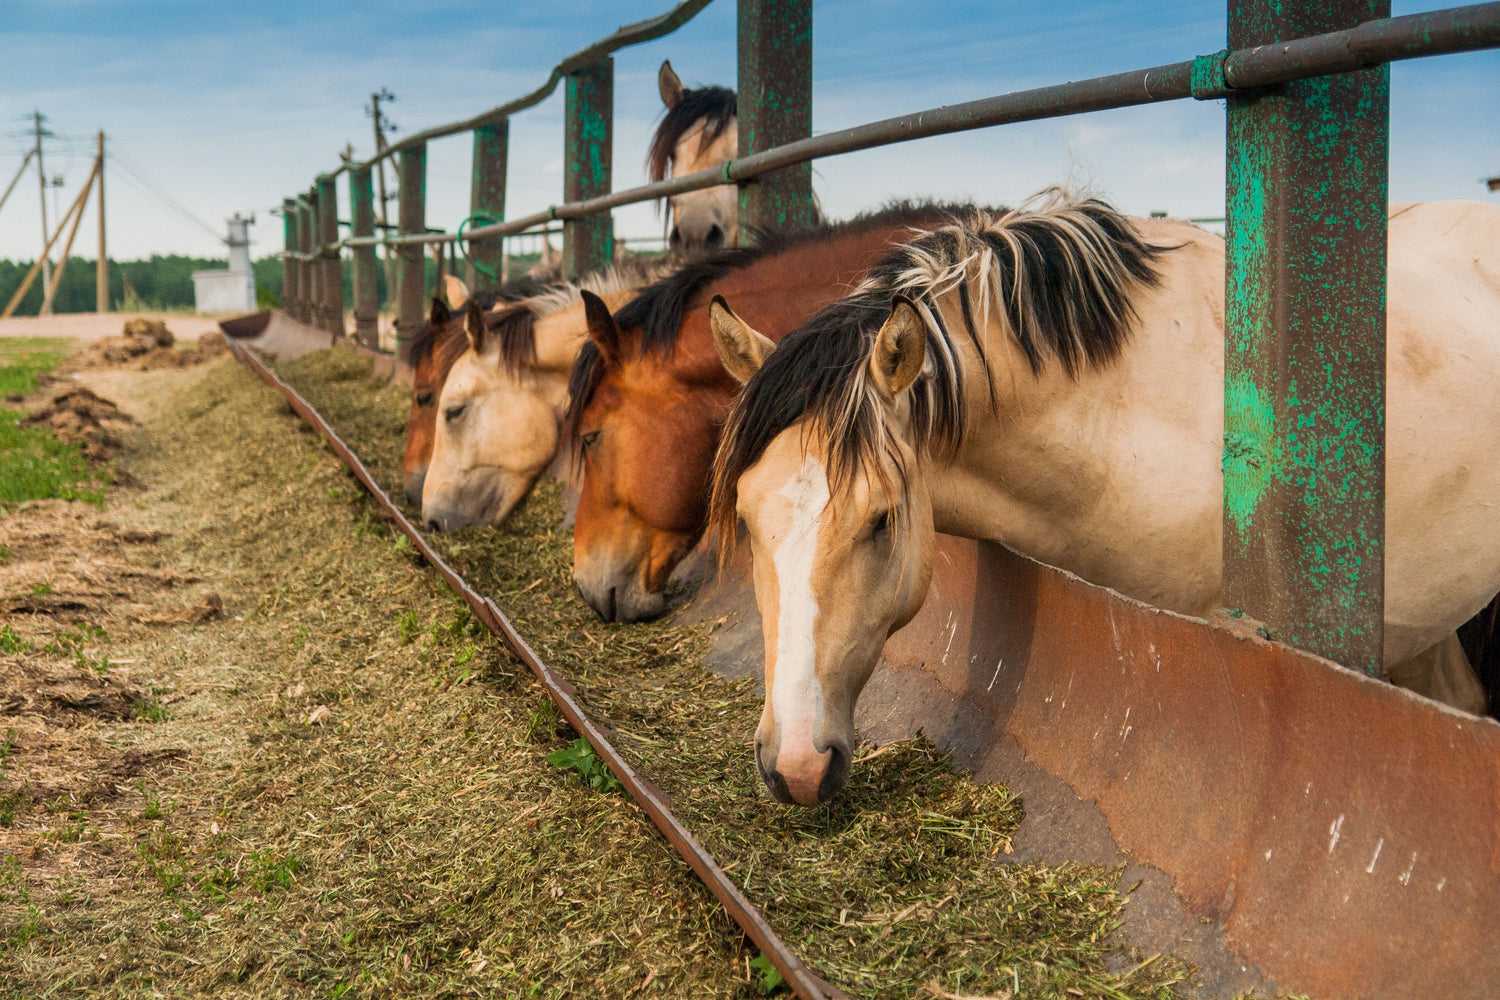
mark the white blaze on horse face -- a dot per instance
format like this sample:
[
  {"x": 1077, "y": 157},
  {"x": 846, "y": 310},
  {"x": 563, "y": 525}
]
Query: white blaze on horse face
[{"x": 796, "y": 696}]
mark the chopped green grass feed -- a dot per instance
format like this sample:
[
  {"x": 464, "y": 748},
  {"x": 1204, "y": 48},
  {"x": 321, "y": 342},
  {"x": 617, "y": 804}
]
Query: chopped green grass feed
[{"x": 899, "y": 887}]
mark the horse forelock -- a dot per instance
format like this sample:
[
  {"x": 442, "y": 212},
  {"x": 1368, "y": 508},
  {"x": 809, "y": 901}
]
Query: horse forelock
[
  {"x": 1059, "y": 276},
  {"x": 715, "y": 107},
  {"x": 583, "y": 381}
]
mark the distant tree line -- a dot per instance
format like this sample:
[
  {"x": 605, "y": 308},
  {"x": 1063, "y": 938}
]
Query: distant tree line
[{"x": 166, "y": 283}]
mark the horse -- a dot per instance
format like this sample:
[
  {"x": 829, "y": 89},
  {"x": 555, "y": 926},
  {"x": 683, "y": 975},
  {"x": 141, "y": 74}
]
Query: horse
[
  {"x": 648, "y": 396},
  {"x": 434, "y": 347},
  {"x": 1053, "y": 380},
  {"x": 499, "y": 411},
  {"x": 700, "y": 130}
]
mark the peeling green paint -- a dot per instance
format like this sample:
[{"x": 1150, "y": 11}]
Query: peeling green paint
[
  {"x": 1252, "y": 453},
  {"x": 588, "y": 244},
  {"x": 1304, "y": 390},
  {"x": 775, "y": 108},
  {"x": 487, "y": 194},
  {"x": 362, "y": 219}
]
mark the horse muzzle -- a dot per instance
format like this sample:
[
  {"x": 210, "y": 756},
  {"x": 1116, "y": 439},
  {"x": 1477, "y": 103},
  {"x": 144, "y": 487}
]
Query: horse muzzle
[
  {"x": 804, "y": 779},
  {"x": 619, "y": 598},
  {"x": 412, "y": 487}
]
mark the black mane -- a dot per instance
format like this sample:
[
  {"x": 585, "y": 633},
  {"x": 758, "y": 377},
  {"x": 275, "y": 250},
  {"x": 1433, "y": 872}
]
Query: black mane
[
  {"x": 514, "y": 290},
  {"x": 515, "y": 327},
  {"x": 656, "y": 313},
  {"x": 1064, "y": 275},
  {"x": 714, "y": 106}
]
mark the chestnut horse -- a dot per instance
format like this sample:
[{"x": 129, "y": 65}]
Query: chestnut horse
[
  {"x": 648, "y": 397},
  {"x": 699, "y": 131},
  {"x": 1053, "y": 380}
]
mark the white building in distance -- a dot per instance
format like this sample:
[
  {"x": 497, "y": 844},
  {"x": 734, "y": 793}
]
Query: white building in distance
[{"x": 231, "y": 291}]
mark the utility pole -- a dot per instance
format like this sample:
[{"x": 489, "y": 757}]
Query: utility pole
[
  {"x": 101, "y": 274},
  {"x": 41, "y": 177},
  {"x": 382, "y": 126}
]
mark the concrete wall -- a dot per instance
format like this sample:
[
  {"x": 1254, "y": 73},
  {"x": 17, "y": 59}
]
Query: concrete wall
[{"x": 223, "y": 291}]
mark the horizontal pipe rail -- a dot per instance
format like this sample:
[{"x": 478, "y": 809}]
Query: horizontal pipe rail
[
  {"x": 650, "y": 798},
  {"x": 631, "y": 34},
  {"x": 1441, "y": 32}
]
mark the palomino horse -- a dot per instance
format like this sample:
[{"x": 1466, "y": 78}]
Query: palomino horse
[
  {"x": 698, "y": 132},
  {"x": 649, "y": 395},
  {"x": 500, "y": 407},
  {"x": 434, "y": 347},
  {"x": 1053, "y": 380}
]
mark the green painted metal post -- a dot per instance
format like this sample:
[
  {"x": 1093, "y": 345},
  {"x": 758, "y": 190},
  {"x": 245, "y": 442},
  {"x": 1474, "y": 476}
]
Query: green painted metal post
[
  {"x": 410, "y": 264},
  {"x": 366, "y": 288},
  {"x": 487, "y": 201},
  {"x": 288, "y": 264},
  {"x": 309, "y": 277},
  {"x": 1304, "y": 378},
  {"x": 588, "y": 244},
  {"x": 331, "y": 263},
  {"x": 775, "y": 107}
]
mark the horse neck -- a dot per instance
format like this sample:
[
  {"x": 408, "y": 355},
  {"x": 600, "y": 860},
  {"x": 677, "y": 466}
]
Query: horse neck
[{"x": 1077, "y": 470}]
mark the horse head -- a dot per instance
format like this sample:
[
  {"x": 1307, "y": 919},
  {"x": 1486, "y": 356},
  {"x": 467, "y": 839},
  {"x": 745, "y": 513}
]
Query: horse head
[
  {"x": 499, "y": 415},
  {"x": 818, "y": 463},
  {"x": 698, "y": 132},
  {"x": 435, "y": 347},
  {"x": 644, "y": 425}
]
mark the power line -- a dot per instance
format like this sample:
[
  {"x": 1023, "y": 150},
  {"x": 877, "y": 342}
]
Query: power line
[{"x": 137, "y": 176}]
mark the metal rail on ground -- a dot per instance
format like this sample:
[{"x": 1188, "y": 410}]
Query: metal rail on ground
[{"x": 646, "y": 794}]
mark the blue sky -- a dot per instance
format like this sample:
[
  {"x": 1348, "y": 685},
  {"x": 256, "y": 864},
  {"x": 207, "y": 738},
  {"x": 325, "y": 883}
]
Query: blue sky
[{"x": 228, "y": 107}]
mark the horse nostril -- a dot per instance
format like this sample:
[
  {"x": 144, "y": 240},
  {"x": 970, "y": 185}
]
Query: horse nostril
[
  {"x": 611, "y": 615},
  {"x": 432, "y": 524},
  {"x": 715, "y": 237},
  {"x": 836, "y": 775},
  {"x": 676, "y": 238}
]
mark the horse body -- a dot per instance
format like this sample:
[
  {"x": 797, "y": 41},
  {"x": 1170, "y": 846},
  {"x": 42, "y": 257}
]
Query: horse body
[
  {"x": 1109, "y": 466},
  {"x": 649, "y": 396}
]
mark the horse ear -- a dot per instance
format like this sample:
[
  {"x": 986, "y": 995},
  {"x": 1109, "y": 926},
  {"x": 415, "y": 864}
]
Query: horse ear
[
  {"x": 900, "y": 348},
  {"x": 669, "y": 85},
  {"x": 439, "y": 313},
  {"x": 741, "y": 348},
  {"x": 603, "y": 330},
  {"x": 474, "y": 326},
  {"x": 455, "y": 291}
]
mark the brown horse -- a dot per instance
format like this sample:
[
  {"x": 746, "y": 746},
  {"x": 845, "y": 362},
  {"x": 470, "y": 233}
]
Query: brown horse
[
  {"x": 699, "y": 131},
  {"x": 648, "y": 397}
]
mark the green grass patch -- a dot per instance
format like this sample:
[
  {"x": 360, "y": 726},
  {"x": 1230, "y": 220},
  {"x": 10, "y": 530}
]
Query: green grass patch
[
  {"x": 22, "y": 359},
  {"x": 34, "y": 465}
]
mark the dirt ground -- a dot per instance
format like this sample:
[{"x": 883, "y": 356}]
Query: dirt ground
[{"x": 229, "y": 719}]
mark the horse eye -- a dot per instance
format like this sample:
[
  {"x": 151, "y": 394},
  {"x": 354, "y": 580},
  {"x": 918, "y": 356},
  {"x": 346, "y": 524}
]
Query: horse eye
[
  {"x": 589, "y": 439},
  {"x": 425, "y": 398},
  {"x": 454, "y": 412},
  {"x": 882, "y": 525}
]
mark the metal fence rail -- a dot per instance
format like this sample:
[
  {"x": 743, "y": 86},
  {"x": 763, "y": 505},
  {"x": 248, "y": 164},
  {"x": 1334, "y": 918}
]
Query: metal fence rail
[{"x": 1217, "y": 76}]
